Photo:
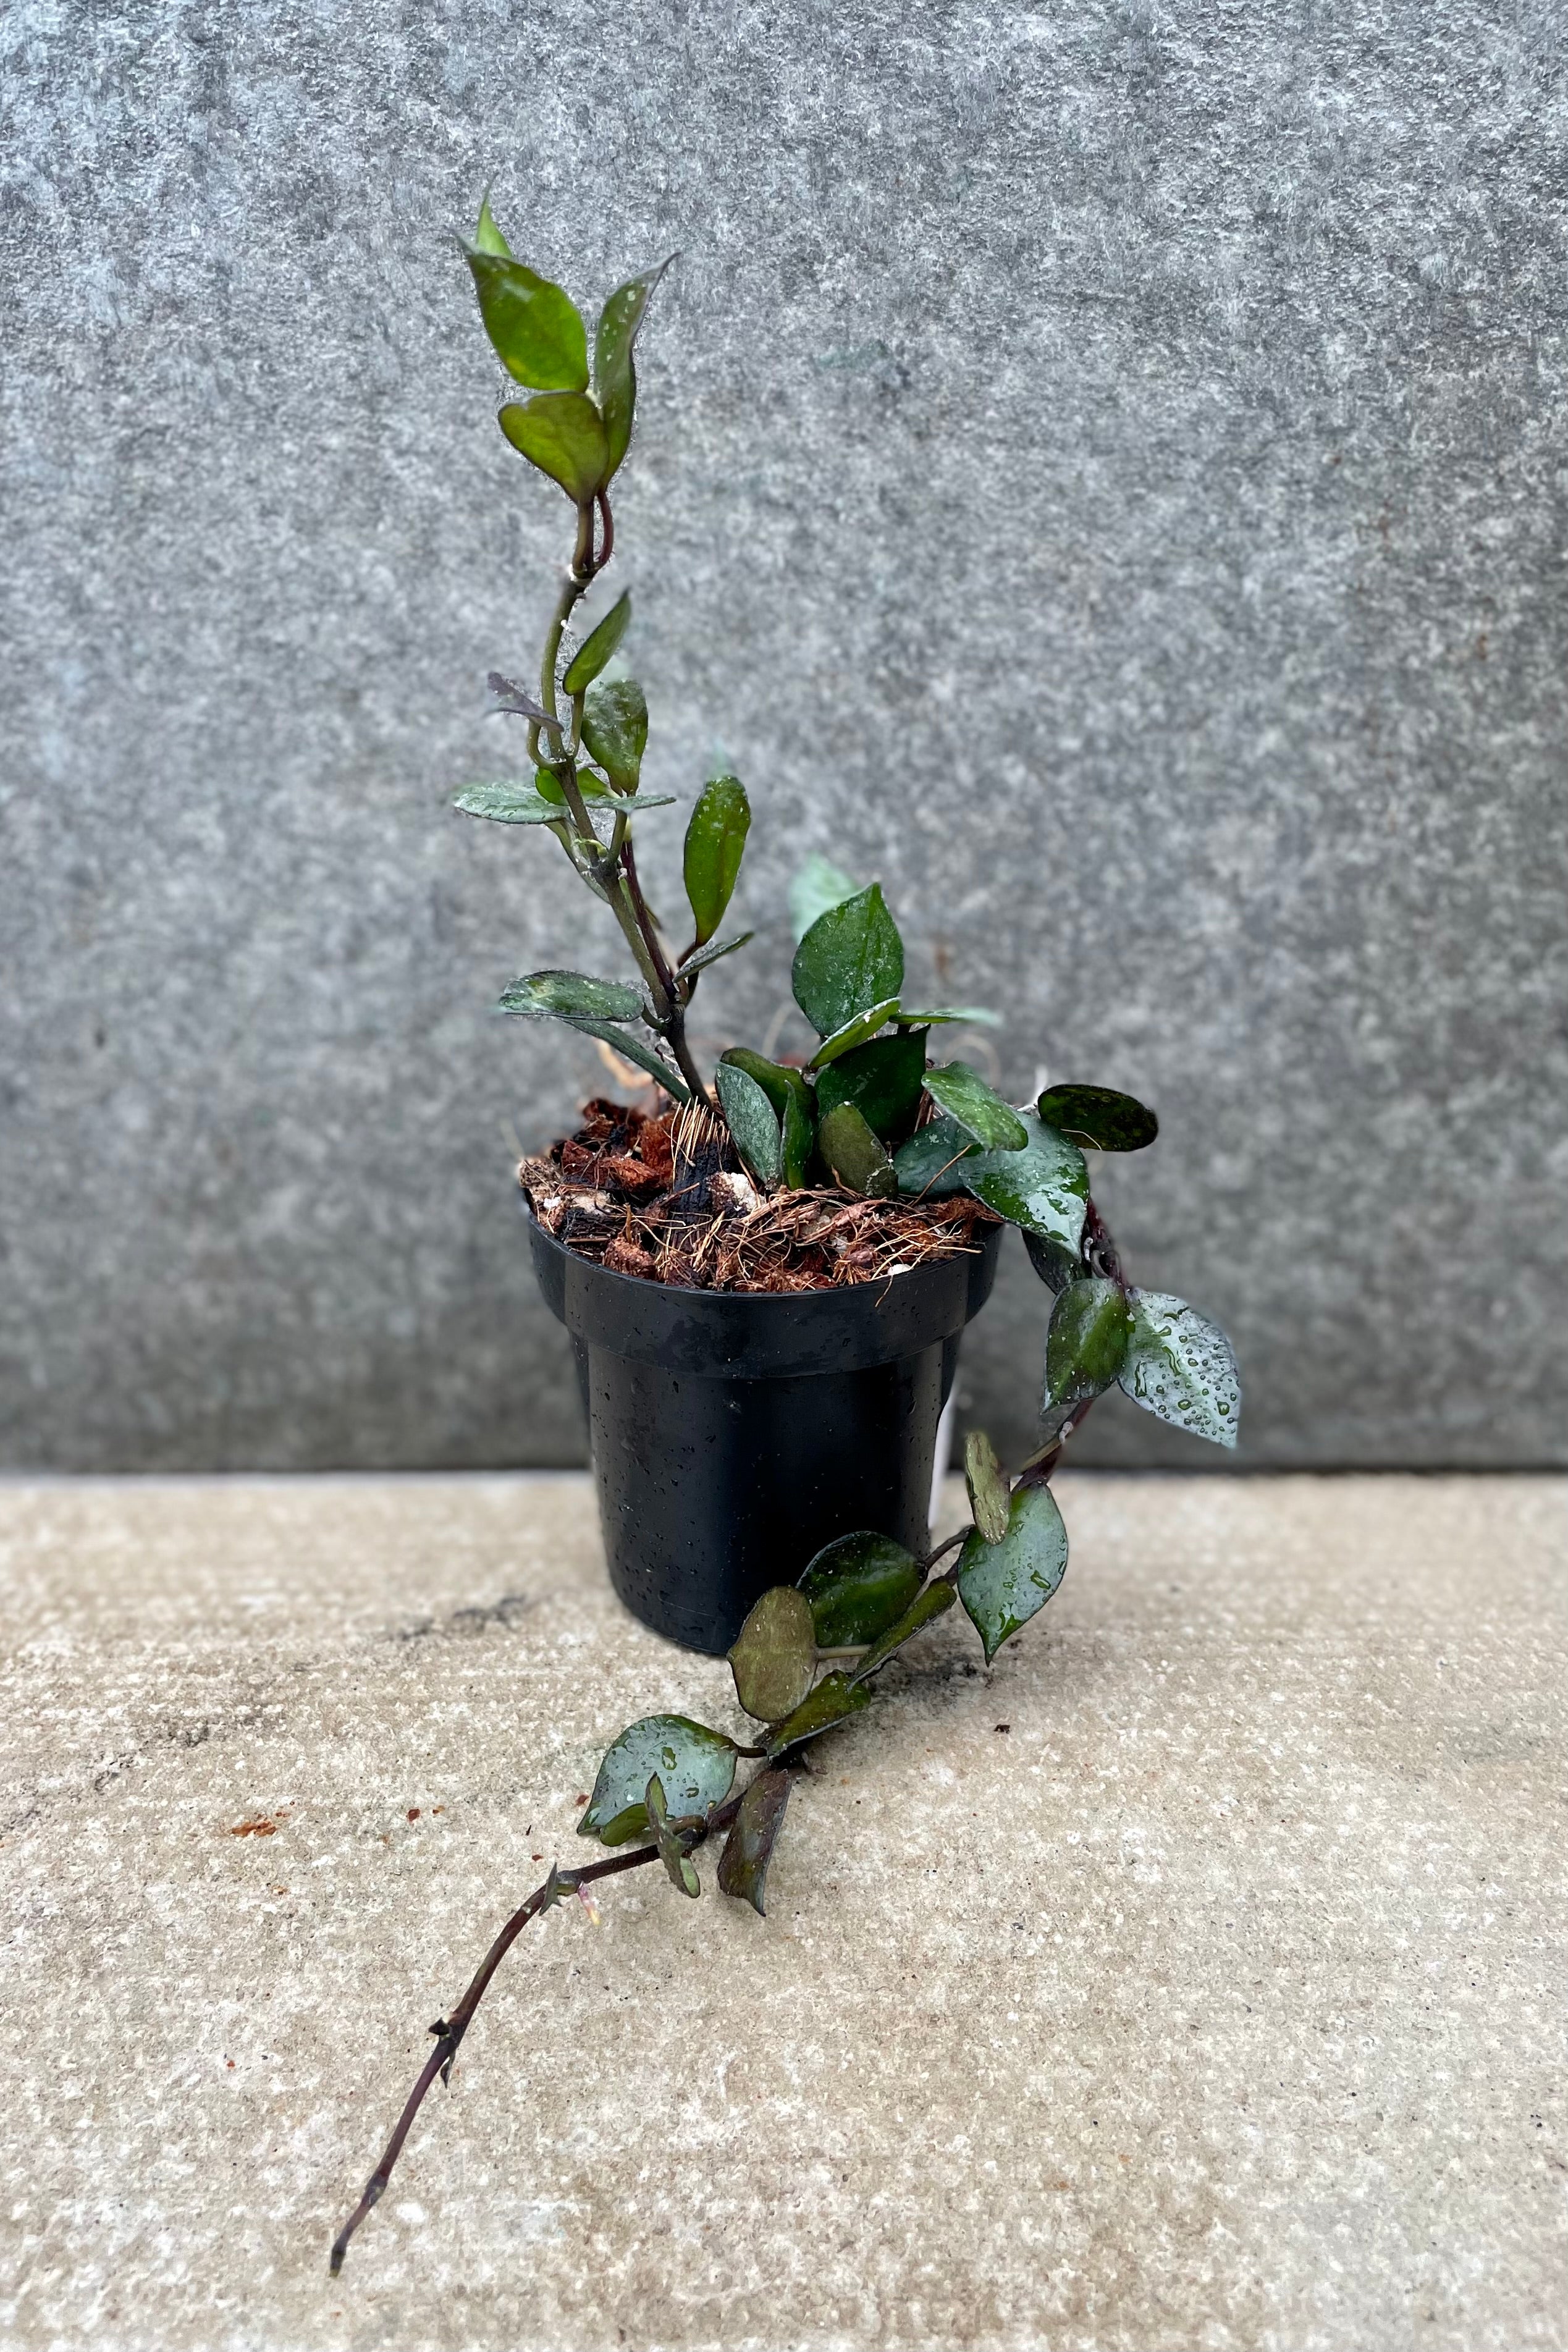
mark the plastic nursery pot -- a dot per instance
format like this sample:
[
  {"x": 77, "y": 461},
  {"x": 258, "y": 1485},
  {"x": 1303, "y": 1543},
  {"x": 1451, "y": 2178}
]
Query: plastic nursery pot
[{"x": 733, "y": 1433}]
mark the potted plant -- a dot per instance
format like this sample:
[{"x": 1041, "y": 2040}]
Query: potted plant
[{"x": 765, "y": 1272}]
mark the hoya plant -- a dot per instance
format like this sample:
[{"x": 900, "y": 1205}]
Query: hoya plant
[{"x": 868, "y": 1114}]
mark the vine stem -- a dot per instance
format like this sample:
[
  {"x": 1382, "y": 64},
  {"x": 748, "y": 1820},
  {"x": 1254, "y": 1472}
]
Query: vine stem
[{"x": 449, "y": 2031}]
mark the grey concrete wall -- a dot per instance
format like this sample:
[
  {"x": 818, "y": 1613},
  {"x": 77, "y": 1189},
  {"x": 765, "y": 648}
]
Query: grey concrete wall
[{"x": 1101, "y": 469}]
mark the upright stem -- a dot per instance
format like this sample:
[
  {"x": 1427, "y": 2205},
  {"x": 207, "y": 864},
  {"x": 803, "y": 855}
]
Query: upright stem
[{"x": 615, "y": 867}]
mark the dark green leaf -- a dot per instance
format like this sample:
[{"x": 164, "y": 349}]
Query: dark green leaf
[
  {"x": 857, "y": 1585},
  {"x": 775, "y": 1656},
  {"x": 488, "y": 237},
  {"x": 799, "y": 1142},
  {"x": 695, "y": 1765},
  {"x": 934, "y": 1602},
  {"x": 615, "y": 375},
  {"x": 563, "y": 434},
  {"x": 633, "y": 1049},
  {"x": 598, "y": 646},
  {"x": 964, "y": 1096},
  {"x": 507, "y": 803},
  {"x": 851, "y": 958},
  {"x": 852, "y": 1151},
  {"x": 570, "y": 995},
  {"x": 975, "y": 1015},
  {"x": 1098, "y": 1117},
  {"x": 815, "y": 888},
  {"x": 711, "y": 953},
  {"x": 935, "y": 1162},
  {"x": 988, "y": 1496},
  {"x": 1055, "y": 1265},
  {"x": 535, "y": 326},
  {"x": 672, "y": 1852},
  {"x": 1182, "y": 1368},
  {"x": 1003, "y": 1584},
  {"x": 615, "y": 728},
  {"x": 1086, "y": 1346},
  {"x": 753, "y": 1122},
  {"x": 834, "y": 1700},
  {"x": 1044, "y": 1187},
  {"x": 883, "y": 1081},
  {"x": 715, "y": 840},
  {"x": 749, "y": 1848},
  {"x": 776, "y": 1079},
  {"x": 854, "y": 1034}
]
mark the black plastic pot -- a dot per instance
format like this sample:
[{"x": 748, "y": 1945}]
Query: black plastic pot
[{"x": 734, "y": 1433}]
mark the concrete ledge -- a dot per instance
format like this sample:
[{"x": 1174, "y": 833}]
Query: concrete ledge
[{"x": 1218, "y": 1999}]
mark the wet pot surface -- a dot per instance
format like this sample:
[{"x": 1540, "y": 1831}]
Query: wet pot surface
[{"x": 734, "y": 1433}]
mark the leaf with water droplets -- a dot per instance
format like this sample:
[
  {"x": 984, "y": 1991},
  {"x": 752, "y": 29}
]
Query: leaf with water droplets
[
  {"x": 571, "y": 995},
  {"x": 1002, "y": 1585},
  {"x": 1181, "y": 1367},
  {"x": 1085, "y": 1345},
  {"x": 696, "y": 1767},
  {"x": 715, "y": 842},
  {"x": 615, "y": 728},
  {"x": 857, "y": 1586},
  {"x": 775, "y": 1655},
  {"x": 854, "y": 1154},
  {"x": 749, "y": 1848},
  {"x": 614, "y": 371},
  {"x": 966, "y": 1098},
  {"x": 850, "y": 960},
  {"x": 883, "y": 1080},
  {"x": 935, "y": 1162},
  {"x": 1044, "y": 1187}
]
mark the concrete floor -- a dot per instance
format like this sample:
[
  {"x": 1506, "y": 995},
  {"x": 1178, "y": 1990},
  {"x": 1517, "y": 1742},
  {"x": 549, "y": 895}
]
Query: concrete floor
[{"x": 1196, "y": 1978}]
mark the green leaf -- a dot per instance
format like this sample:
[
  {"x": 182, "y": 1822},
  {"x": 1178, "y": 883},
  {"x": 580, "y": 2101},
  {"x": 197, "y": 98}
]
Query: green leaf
[
  {"x": 615, "y": 728},
  {"x": 934, "y": 1163},
  {"x": 749, "y": 1848},
  {"x": 753, "y": 1122},
  {"x": 1182, "y": 1367},
  {"x": 883, "y": 1080},
  {"x": 852, "y": 958},
  {"x": 975, "y": 1016},
  {"x": 799, "y": 1142},
  {"x": 615, "y": 375},
  {"x": 853, "y": 1033},
  {"x": 1055, "y": 1265},
  {"x": 672, "y": 1852},
  {"x": 964, "y": 1096},
  {"x": 775, "y": 1656},
  {"x": 988, "y": 1493},
  {"x": 563, "y": 434},
  {"x": 1085, "y": 1345},
  {"x": 934, "y": 1602},
  {"x": 633, "y": 1049},
  {"x": 488, "y": 237},
  {"x": 597, "y": 646},
  {"x": 711, "y": 953},
  {"x": 1098, "y": 1117},
  {"x": 857, "y": 1586},
  {"x": 507, "y": 803},
  {"x": 856, "y": 1159},
  {"x": 696, "y": 1767},
  {"x": 814, "y": 888},
  {"x": 1044, "y": 1187},
  {"x": 787, "y": 1091},
  {"x": 715, "y": 840},
  {"x": 535, "y": 326},
  {"x": 1003, "y": 1584},
  {"x": 570, "y": 995},
  {"x": 834, "y": 1700}
]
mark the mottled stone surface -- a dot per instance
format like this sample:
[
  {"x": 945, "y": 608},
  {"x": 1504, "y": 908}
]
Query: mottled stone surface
[
  {"x": 1196, "y": 1978},
  {"x": 1099, "y": 470}
]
